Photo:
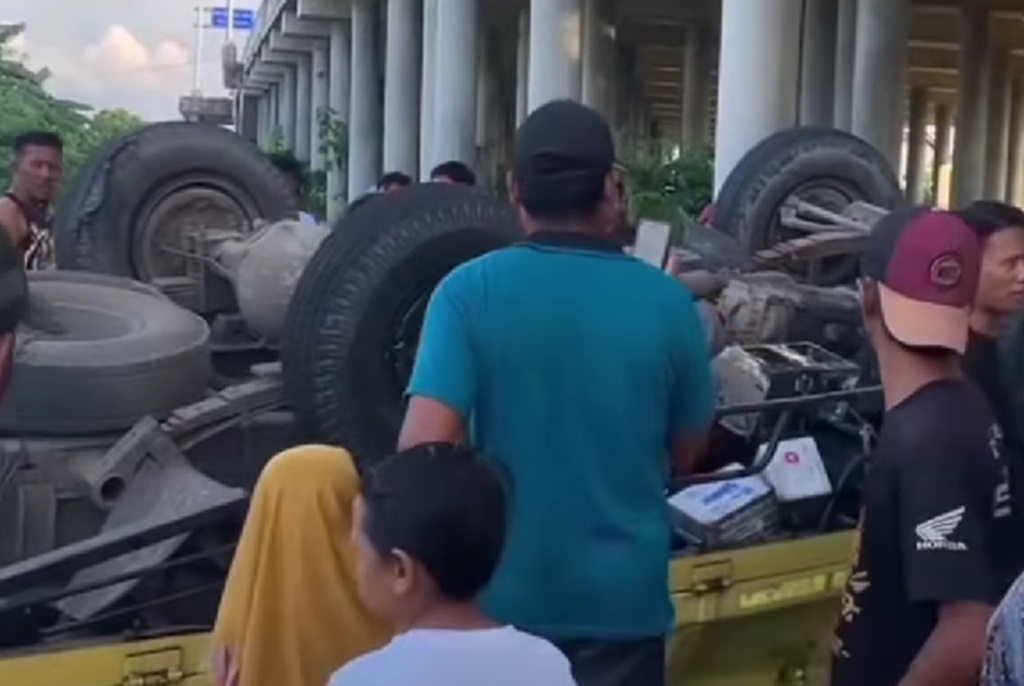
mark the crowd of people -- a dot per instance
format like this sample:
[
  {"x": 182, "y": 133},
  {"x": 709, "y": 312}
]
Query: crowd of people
[{"x": 519, "y": 534}]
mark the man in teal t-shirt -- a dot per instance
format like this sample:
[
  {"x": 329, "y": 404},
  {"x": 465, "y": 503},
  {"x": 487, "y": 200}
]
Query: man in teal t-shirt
[{"x": 584, "y": 372}]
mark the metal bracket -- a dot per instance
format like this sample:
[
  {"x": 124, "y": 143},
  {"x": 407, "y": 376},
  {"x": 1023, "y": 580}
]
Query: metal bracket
[
  {"x": 155, "y": 668},
  {"x": 259, "y": 395},
  {"x": 712, "y": 576}
]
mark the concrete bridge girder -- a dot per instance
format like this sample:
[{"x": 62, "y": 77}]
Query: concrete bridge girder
[
  {"x": 294, "y": 26},
  {"x": 278, "y": 41},
  {"x": 324, "y": 9}
]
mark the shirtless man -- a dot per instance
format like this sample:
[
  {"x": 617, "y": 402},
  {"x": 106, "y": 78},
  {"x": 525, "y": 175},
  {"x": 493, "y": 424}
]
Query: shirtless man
[{"x": 26, "y": 211}]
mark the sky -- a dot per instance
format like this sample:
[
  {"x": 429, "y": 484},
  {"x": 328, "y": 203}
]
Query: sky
[{"x": 132, "y": 54}]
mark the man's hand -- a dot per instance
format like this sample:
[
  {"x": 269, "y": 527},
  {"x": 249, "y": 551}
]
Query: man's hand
[
  {"x": 953, "y": 654},
  {"x": 687, "y": 453},
  {"x": 13, "y": 222},
  {"x": 430, "y": 421}
]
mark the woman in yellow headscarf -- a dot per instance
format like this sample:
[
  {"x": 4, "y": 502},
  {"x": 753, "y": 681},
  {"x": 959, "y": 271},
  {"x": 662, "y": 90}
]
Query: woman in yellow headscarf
[{"x": 291, "y": 614}]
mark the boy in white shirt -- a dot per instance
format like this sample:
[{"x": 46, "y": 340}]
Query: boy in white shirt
[{"x": 429, "y": 526}]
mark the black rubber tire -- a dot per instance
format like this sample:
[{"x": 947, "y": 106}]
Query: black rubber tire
[
  {"x": 98, "y": 222},
  {"x": 365, "y": 274},
  {"x": 749, "y": 201},
  {"x": 99, "y": 353}
]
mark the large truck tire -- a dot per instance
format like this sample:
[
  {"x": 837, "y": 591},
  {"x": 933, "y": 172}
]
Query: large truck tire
[
  {"x": 142, "y": 190},
  {"x": 354, "y": 319},
  {"x": 96, "y": 353},
  {"x": 825, "y": 166}
]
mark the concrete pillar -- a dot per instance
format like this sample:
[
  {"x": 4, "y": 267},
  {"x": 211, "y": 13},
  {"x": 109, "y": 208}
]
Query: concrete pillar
[
  {"x": 555, "y": 47},
  {"x": 454, "y": 123},
  {"x": 483, "y": 77},
  {"x": 522, "y": 65},
  {"x": 943, "y": 117},
  {"x": 364, "y": 145},
  {"x": 757, "y": 76},
  {"x": 972, "y": 107},
  {"x": 696, "y": 86},
  {"x": 880, "y": 66},
  {"x": 592, "y": 50},
  {"x": 846, "y": 50},
  {"x": 997, "y": 128},
  {"x": 608, "y": 57},
  {"x": 1015, "y": 156},
  {"x": 402, "y": 86},
  {"x": 287, "y": 108},
  {"x": 321, "y": 98},
  {"x": 303, "y": 106},
  {"x": 428, "y": 88},
  {"x": 274, "y": 100},
  {"x": 818, "y": 62},
  {"x": 263, "y": 120},
  {"x": 340, "y": 76},
  {"x": 917, "y": 145}
]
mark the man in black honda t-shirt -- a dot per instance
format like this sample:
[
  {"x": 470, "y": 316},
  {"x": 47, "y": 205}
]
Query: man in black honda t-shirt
[{"x": 934, "y": 549}]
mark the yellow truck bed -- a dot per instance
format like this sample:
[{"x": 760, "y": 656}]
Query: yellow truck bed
[{"x": 760, "y": 616}]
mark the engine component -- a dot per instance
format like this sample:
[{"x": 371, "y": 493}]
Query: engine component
[
  {"x": 163, "y": 487},
  {"x": 266, "y": 269},
  {"x": 758, "y": 311},
  {"x": 757, "y": 373}
]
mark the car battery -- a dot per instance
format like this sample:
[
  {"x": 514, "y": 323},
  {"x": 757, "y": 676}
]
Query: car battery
[
  {"x": 725, "y": 513},
  {"x": 755, "y": 373}
]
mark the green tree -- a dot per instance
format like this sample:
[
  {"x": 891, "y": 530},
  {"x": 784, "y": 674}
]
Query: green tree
[
  {"x": 25, "y": 104},
  {"x": 665, "y": 182}
]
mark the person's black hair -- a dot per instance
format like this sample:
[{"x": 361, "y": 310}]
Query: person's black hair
[
  {"x": 986, "y": 217},
  {"x": 550, "y": 201},
  {"x": 458, "y": 172},
  {"x": 42, "y": 139},
  {"x": 289, "y": 165},
  {"x": 362, "y": 200},
  {"x": 445, "y": 507},
  {"x": 395, "y": 178}
]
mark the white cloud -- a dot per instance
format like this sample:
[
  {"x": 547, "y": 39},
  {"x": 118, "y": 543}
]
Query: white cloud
[
  {"x": 120, "y": 57},
  {"x": 117, "y": 53}
]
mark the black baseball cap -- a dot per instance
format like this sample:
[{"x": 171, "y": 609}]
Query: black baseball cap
[
  {"x": 926, "y": 264},
  {"x": 563, "y": 142}
]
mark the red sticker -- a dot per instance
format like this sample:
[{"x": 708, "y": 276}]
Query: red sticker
[{"x": 792, "y": 458}]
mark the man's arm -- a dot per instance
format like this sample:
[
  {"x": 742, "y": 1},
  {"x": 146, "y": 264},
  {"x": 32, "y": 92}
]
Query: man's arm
[
  {"x": 13, "y": 222},
  {"x": 944, "y": 520},
  {"x": 443, "y": 384},
  {"x": 953, "y": 654},
  {"x": 693, "y": 395}
]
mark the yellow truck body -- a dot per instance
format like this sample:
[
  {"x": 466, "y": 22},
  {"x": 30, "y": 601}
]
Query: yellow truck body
[{"x": 759, "y": 616}]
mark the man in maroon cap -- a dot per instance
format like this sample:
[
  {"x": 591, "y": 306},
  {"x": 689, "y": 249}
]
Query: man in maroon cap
[{"x": 935, "y": 551}]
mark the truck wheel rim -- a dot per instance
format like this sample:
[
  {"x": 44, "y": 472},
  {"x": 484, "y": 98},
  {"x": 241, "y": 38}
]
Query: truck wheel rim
[{"x": 192, "y": 204}]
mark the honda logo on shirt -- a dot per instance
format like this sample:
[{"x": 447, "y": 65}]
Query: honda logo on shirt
[{"x": 934, "y": 533}]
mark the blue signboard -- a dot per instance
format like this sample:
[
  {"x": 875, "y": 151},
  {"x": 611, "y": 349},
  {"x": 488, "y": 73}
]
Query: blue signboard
[{"x": 242, "y": 20}]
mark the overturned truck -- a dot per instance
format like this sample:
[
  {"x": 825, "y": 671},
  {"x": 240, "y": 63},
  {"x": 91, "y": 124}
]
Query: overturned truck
[{"x": 192, "y": 331}]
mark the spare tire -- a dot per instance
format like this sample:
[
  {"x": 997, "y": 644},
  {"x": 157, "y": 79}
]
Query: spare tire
[
  {"x": 354, "y": 319},
  {"x": 146, "y": 189},
  {"x": 97, "y": 352},
  {"x": 828, "y": 167}
]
